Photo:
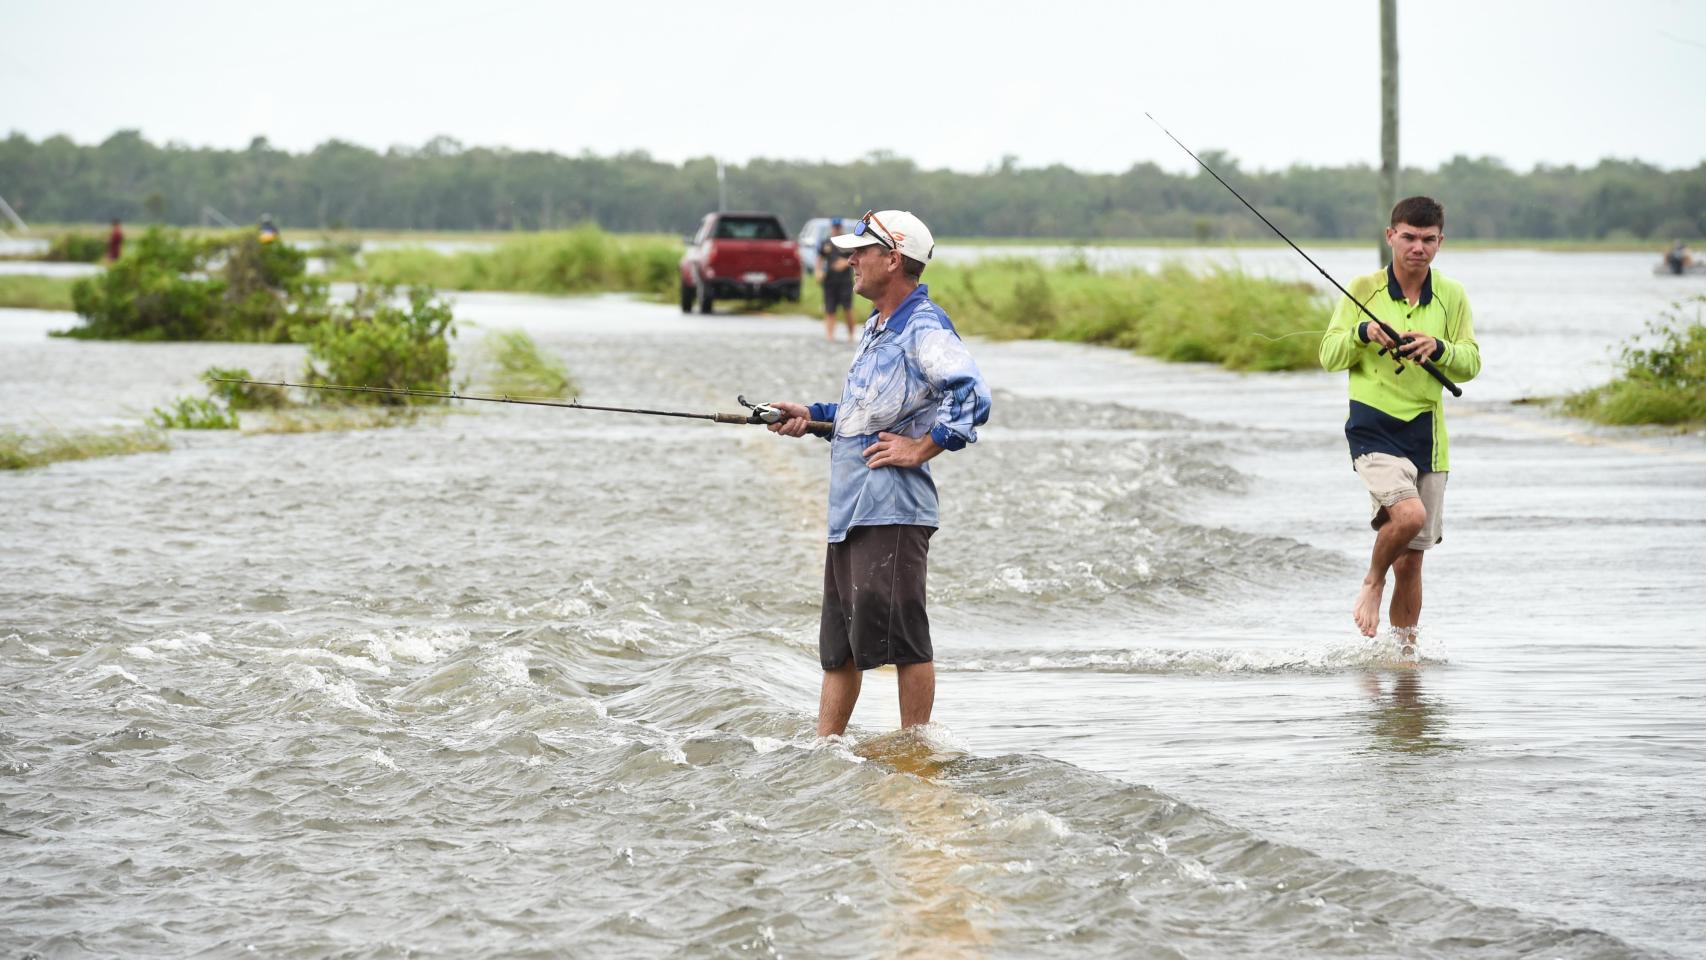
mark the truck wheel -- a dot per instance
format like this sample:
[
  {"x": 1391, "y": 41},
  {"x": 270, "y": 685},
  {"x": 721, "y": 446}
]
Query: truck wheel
[
  {"x": 704, "y": 298},
  {"x": 687, "y": 297}
]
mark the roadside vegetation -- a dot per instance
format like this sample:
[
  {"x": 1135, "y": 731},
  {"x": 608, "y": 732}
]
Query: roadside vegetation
[
  {"x": 1224, "y": 316},
  {"x": 583, "y": 260},
  {"x": 32, "y": 292},
  {"x": 1663, "y": 382}
]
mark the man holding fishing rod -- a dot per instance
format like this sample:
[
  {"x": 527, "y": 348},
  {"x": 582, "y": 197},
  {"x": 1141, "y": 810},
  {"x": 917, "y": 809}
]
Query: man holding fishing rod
[
  {"x": 911, "y": 393},
  {"x": 1396, "y": 426}
]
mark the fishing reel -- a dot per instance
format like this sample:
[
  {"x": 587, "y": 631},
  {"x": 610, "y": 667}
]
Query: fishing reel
[
  {"x": 761, "y": 412},
  {"x": 1397, "y": 357}
]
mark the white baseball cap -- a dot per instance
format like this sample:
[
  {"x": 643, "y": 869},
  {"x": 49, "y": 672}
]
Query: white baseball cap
[{"x": 897, "y": 229}]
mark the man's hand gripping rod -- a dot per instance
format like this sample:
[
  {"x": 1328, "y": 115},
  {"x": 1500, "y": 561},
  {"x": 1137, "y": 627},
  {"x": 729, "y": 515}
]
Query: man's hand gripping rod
[
  {"x": 1425, "y": 363},
  {"x": 765, "y": 413}
]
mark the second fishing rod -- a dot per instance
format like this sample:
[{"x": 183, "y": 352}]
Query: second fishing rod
[{"x": 1385, "y": 327}]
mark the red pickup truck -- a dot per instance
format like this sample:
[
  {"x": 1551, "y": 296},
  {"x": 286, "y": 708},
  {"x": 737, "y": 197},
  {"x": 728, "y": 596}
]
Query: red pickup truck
[{"x": 739, "y": 256}]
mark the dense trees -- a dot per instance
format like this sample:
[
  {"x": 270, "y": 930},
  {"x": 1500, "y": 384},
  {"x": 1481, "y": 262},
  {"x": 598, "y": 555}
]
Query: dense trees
[{"x": 443, "y": 185}]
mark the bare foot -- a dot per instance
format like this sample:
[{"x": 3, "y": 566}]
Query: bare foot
[
  {"x": 1367, "y": 611},
  {"x": 1407, "y": 652}
]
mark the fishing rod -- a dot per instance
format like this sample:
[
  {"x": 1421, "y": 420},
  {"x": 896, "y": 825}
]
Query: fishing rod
[
  {"x": 756, "y": 412},
  {"x": 1424, "y": 362}
]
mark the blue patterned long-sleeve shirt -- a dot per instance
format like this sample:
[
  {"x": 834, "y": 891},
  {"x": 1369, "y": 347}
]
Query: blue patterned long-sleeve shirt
[{"x": 912, "y": 376}]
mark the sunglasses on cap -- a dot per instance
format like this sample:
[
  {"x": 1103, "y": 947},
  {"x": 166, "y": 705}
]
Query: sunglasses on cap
[{"x": 864, "y": 226}]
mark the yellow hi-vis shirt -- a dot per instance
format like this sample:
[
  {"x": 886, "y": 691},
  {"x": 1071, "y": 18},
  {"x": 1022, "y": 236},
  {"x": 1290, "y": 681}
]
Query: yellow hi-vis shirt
[{"x": 1401, "y": 413}]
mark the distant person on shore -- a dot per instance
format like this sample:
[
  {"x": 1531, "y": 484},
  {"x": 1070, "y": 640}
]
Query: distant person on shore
[
  {"x": 1396, "y": 426},
  {"x": 269, "y": 233},
  {"x": 115, "y": 242},
  {"x": 1678, "y": 258},
  {"x": 836, "y": 278},
  {"x": 912, "y": 392}
]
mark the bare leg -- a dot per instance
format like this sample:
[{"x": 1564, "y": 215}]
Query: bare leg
[
  {"x": 829, "y": 326},
  {"x": 1404, "y": 520},
  {"x": 847, "y": 318},
  {"x": 835, "y": 705},
  {"x": 917, "y": 692},
  {"x": 1406, "y": 609}
]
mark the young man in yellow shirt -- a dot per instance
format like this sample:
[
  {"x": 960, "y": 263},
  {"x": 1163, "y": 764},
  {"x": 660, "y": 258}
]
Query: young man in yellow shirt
[{"x": 1396, "y": 426}]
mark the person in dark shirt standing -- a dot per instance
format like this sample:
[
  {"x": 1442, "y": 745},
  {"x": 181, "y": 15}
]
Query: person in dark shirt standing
[
  {"x": 115, "y": 242},
  {"x": 1396, "y": 426},
  {"x": 836, "y": 279}
]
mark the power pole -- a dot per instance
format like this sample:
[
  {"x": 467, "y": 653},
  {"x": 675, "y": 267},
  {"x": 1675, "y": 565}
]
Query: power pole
[
  {"x": 1388, "y": 115},
  {"x": 722, "y": 189}
]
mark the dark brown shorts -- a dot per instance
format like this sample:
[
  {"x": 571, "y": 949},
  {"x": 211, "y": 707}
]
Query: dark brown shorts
[{"x": 873, "y": 598}]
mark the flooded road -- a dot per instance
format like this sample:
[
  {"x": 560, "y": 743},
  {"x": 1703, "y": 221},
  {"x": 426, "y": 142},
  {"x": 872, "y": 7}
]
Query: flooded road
[{"x": 517, "y": 682}]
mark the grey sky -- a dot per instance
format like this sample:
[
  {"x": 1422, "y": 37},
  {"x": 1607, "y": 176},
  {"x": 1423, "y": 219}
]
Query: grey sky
[{"x": 948, "y": 84}]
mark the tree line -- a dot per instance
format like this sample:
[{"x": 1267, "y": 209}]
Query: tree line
[{"x": 443, "y": 185}]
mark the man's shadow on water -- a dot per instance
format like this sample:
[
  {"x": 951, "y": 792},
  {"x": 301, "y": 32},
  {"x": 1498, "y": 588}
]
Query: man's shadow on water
[{"x": 1403, "y": 719}]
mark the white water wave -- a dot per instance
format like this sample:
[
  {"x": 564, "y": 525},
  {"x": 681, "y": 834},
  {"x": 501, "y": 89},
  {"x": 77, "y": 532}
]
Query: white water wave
[{"x": 1328, "y": 657}]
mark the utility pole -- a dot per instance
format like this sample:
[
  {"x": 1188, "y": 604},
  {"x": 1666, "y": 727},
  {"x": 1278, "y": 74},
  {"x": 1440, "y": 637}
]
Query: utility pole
[
  {"x": 722, "y": 189},
  {"x": 1388, "y": 115}
]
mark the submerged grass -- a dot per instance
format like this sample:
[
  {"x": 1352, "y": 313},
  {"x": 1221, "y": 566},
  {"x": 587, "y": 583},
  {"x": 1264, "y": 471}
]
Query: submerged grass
[
  {"x": 519, "y": 369},
  {"x": 1661, "y": 384},
  {"x": 36, "y": 293},
  {"x": 324, "y": 419},
  {"x": 19, "y": 451},
  {"x": 584, "y": 260}
]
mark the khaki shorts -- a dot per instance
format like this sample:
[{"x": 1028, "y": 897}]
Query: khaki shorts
[{"x": 1390, "y": 479}]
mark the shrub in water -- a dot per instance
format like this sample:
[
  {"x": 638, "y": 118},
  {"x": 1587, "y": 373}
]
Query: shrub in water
[
  {"x": 168, "y": 288},
  {"x": 371, "y": 342},
  {"x": 1664, "y": 383},
  {"x": 147, "y": 295},
  {"x": 266, "y": 290}
]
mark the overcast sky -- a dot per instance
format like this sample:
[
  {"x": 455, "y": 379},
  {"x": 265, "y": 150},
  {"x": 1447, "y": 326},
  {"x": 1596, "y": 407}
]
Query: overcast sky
[{"x": 948, "y": 84}]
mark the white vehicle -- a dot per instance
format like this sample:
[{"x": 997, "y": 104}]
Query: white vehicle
[{"x": 812, "y": 236}]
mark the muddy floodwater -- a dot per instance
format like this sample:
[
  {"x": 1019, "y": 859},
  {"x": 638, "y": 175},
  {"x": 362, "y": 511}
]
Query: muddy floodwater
[{"x": 516, "y": 682}]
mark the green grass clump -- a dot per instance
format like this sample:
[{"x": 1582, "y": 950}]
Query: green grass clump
[
  {"x": 1661, "y": 384},
  {"x": 520, "y": 370},
  {"x": 19, "y": 451},
  {"x": 194, "y": 413},
  {"x": 36, "y": 293},
  {"x": 583, "y": 260},
  {"x": 1224, "y": 316}
]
